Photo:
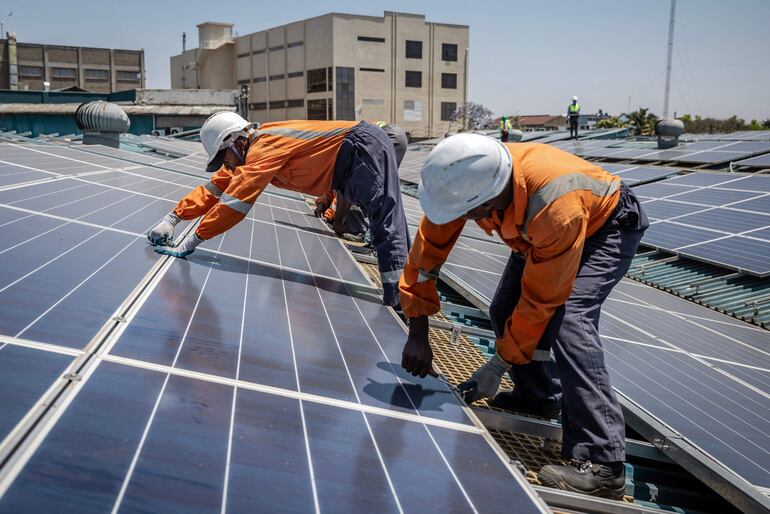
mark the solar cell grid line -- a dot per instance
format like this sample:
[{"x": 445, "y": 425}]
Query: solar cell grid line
[{"x": 74, "y": 157}]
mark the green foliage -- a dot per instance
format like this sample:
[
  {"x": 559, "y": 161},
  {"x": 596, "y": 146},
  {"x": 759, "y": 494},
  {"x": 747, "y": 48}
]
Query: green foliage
[
  {"x": 612, "y": 122},
  {"x": 642, "y": 122},
  {"x": 700, "y": 125}
]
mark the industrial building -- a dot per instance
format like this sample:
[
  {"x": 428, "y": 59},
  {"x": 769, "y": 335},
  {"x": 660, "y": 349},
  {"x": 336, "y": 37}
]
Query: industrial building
[
  {"x": 398, "y": 68},
  {"x": 29, "y": 66}
]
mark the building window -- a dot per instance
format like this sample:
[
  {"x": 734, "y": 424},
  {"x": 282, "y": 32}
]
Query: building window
[
  {"x": 295, "y": 103},
  {"x": 316, "y": 81},
  {"x": 373, "y": 101},
  {"x": 295, "y": 74},
  {"x": 330, "y": 109},
  {"x": 64, "y": 73},
  {"x": 244, "y": 82},
  {"x": 376, "y": 70},
  {"x": 371, "y": 39},
  {"x": 447, "y": 110},
  {"x": 257, "y": 52},
  {"x": 413, "y": 49},
  {"x": 316, "y": 109},
  {"x": 449, "y": 80},
  {"x": 295, "y": 44},
  {"x": 258, "y": 106},
  {"x": 278, "y": 104},
  {"x": 239, "y": 56},
  {"x": 346, "y": 93},
  {"x": 412, "y": 110},
  {"x": 413, "y": 79},
  {"x": 94, "y": 74},
  {"x": 330, "y": 80},
  {"x": 277, "y": 77},
  {"x": 274, "y": 48},
  {"x": 129, "y": 76},
  {"x": 31, "y": 71},
  {"x": 448, "y": 52},
  {"x": 259, "y": 79}
]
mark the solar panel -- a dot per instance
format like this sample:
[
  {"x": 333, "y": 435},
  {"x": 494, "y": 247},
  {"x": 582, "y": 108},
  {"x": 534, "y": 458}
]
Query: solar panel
[
  {"x": 411, "y": 166},
  {"x": 759, "y": 161},
  {"x": 228, "y": 370},
  {"x": 720, "y": 218}
]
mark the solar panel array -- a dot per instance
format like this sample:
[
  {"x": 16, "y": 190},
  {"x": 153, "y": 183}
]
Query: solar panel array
[
  {"x": 259, "y": 374},
  {"x": 744, "y": 135},
  {"x": 721, "y": 218}
]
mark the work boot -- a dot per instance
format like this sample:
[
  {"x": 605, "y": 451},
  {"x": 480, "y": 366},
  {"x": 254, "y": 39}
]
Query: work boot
[
  {"x": 515, "y": 402},
  {"x": 606, "y": 480}
]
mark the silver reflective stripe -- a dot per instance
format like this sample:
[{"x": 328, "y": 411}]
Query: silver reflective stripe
[
  {"x": 213, "y": 189},
  {"x": 235, "y": 204},
  {"x": 542, "y": 355},
  {"x": 560, "y": 186},
  {"x": 390, "y": 277},
  {"x": 302, "y": 134},
  {"x": 424, "y": 276}
]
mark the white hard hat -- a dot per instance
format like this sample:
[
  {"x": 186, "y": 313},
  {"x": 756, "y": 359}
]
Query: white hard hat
[
  {"x": 462, "y": 172},
  {"x": 574, "y": 98},
  {"x": 216, "y": 134}
]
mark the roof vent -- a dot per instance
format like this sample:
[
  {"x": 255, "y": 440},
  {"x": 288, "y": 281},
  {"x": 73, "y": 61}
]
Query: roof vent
[
  {"x": 668, "y": 132},
  {"x": 102, "y": 123}
]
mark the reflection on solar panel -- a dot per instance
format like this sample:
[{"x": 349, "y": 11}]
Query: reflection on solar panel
[
  {"x": 720, "y": 218},
  {"x": 636, "y": 175},
  {"x": 704, "y": 374},
  {"x": 265, "y": 358}
]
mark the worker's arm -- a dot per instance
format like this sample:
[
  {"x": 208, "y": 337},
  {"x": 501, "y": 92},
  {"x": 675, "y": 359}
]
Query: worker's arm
[
  {"x": 235, "y": 202},
  {"x": 196, "y": 203},
  {"x": 549, "y": 274},
  {"x": 417, "y": 286}
]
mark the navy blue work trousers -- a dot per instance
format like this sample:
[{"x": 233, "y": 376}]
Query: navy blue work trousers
[
  {"x": 366, "y": 174},
  {"x": 569, "y": 361}
]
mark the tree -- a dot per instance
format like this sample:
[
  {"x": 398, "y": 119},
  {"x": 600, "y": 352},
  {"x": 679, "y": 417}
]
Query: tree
[
  {"x": 611, "y": 122},
  {"x": 643, "y": 121},
  {"x": 473, "y": 116}
]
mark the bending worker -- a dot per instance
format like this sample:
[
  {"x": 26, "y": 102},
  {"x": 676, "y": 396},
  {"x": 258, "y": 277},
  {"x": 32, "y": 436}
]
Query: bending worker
[
  {"x": 353, "y": 221},
  {"x": 573, "y": 115},
  {"x": 573, "y": 229},
  {"x": 355, "y": 159}
]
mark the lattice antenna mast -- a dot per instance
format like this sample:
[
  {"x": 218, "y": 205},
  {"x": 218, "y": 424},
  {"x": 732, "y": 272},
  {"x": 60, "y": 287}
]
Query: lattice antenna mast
[{"x": 670, "y": 55}]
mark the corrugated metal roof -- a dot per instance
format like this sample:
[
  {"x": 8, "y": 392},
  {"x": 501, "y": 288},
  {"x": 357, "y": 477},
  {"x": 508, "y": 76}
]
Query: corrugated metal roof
[{"x": 166, "y": 110}]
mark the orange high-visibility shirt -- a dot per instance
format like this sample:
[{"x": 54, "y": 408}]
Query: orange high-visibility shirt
[
  {"x": 297, "y": 155},
  {"x": 559, "y": 200}
]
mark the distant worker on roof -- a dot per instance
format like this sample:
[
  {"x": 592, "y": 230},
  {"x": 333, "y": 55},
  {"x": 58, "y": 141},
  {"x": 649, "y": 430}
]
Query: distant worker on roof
[
  {"x": 573, "y": 115},
  {"x": 505, "y": 128},
  {"x": 351, "y": 220},
  {"x": 355, "y": 159},
  {"x": 572, "y": 229}
]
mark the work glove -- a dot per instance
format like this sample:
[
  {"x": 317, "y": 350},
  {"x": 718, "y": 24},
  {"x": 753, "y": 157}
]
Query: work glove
[
  {"x": 183, "y": 248},
  {"x": 321, "y": 205},
  {"x": 485, "y": 381},
  {"x": 163, "y": 232},
  {"x": 390, "y": 296}
]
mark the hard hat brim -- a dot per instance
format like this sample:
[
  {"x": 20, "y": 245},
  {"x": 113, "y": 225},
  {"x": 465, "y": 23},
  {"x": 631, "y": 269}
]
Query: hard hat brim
[{"x": 217, "y": 161}]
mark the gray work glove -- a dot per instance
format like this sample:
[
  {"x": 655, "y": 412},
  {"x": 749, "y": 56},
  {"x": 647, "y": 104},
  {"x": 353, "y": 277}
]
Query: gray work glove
[
  {"x": 485, "y": 381},
  {"x": 163, "y": 232},
  {"x": 183, "y": 248}
]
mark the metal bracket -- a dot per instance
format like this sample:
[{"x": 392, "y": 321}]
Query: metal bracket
[
  {"x": 74, "y": 377},
  {"x": 454, "y": 338},
  {"x": 119, "y": 319}
]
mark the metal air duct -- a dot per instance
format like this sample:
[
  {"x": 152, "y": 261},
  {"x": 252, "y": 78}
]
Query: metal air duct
[{"x": 102, "y": 123}]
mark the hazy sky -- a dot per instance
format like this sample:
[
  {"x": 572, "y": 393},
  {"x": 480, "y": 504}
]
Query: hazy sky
[{"x": 525, "y": 57}]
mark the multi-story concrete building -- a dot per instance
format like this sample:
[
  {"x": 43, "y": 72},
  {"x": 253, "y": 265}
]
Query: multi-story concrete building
[
  {"x": 396, "y": 68},
  {"x": 27, "y": 66}
]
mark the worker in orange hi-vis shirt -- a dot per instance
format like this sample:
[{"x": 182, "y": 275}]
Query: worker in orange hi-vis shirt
[
  {"x": 354, "y": 159},
  {"x": 573, "y": 230}
]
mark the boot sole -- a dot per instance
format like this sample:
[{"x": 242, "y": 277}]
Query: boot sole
[{"x": 603, "y": 492}]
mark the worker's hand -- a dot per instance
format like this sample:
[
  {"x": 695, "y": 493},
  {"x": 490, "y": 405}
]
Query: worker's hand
[
  {"x": 321, "y": 204},
  {"x": 417, "y": 356},
  {"x": 182, "y": 248},
  {"x": 485, "y": 381},
  {"x": 390, "y": 295},
  {"x": 163, "y": 232}
]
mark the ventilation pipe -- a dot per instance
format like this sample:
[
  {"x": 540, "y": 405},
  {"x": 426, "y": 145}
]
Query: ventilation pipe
[
  {"x": 515, "y": 135},
  {"x": 668, "y": 132},
  {"x": 102, "y": 123}
]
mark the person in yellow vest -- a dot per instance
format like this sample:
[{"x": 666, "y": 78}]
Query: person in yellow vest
[
  {"x": 505, "y": 128},
  {"x": 573, "y": 115}
]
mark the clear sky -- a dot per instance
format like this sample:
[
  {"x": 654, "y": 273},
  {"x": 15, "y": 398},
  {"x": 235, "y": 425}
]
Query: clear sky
[{"x": 525, "y": 57}]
